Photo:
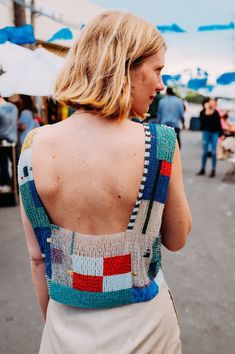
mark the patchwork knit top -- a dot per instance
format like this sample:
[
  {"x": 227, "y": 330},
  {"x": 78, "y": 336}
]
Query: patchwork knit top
[{"x": 106, "y": 270}]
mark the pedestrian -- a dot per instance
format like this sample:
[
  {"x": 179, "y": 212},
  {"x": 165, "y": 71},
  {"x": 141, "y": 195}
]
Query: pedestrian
[
  {"x": 211, "y": 130},
  {"x": 26, "y": 121},
  {"x": 171, "y": 112},
  {"x": 95, "y": 211},
  {"x": 8, "y": 135}
]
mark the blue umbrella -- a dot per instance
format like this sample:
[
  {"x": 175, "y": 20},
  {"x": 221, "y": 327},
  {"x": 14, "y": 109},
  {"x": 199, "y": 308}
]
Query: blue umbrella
[
  {"x": 171, "y": 28},
  {"x": 217, "y": 27},
  {"x": 226, "y": 78}
]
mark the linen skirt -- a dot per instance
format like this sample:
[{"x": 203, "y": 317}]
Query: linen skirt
[{"x": 142, "y": 328}]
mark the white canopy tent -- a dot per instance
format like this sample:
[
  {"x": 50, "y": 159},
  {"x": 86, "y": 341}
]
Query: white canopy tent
[
  {"x": 34, "y": 74},
  {"x": 12, "y": 54},
  {"x": 224, "y": 91}
]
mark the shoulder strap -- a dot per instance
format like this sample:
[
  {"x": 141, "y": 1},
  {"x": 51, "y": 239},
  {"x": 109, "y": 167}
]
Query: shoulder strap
[
  {"x": 32, "y": 204},
  {"x": 165, "y": 140}
]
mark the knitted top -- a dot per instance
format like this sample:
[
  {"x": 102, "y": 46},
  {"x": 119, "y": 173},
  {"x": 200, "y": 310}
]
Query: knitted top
[{"x": 108, "y": 270}]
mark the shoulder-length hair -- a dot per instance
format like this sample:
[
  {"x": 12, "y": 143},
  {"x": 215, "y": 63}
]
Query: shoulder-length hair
[{"x": 96, "y": 75}]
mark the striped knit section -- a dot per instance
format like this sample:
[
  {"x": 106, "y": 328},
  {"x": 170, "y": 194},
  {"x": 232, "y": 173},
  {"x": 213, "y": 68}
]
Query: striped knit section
[
  {"x": 48, "y": 280},
  {"x": 142, "y": 184}
]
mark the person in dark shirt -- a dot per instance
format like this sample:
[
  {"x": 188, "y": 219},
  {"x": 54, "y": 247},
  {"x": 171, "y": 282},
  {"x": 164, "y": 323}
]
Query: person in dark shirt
[{"x": 211, "y": 129}]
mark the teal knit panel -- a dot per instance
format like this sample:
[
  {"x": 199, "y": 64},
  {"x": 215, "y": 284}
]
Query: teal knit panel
[
  {"x": 166, "y": 140},
  {"x": 36, "y": 215}
]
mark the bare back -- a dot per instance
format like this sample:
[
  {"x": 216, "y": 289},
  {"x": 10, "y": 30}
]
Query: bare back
[{"x": 88, "y": 172}]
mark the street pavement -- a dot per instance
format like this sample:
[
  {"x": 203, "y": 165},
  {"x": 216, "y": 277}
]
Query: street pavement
[{"x": 201, "y": 275}]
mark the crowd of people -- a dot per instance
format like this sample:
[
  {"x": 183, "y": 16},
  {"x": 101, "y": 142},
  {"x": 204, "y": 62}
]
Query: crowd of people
[
  {"x": 16, "y": 121},
  {"x": 214, "y": 124}
]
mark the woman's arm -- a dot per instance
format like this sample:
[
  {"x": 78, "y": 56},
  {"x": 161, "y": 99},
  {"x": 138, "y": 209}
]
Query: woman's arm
[
  {"x": 231, "y": 127},
  {"x": 177, "y": 220},
  {"x": 37, "y": 264}
]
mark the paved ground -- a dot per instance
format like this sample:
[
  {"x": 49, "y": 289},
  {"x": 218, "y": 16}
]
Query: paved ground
[{"x": 201, "y": 276}]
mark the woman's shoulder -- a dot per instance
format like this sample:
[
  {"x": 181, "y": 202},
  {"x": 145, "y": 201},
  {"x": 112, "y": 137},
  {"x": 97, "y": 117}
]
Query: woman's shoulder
[
  {"x": 47, "y": 134},
  {"x": 52, "y": 138},
  {"x": 39, "y": 138},
  {"x": 217, "y": 114}
]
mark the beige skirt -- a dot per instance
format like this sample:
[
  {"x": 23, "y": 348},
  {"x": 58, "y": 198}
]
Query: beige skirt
[{"x": 147, "y": 327}]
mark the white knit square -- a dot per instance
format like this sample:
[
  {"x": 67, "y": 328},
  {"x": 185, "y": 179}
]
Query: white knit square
[
  {"x": 117, "y": 282},
  {"x": 87, "y": 265}
]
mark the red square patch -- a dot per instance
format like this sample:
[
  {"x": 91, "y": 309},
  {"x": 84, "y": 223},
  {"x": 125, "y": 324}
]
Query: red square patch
[
  {"x": 117, "y": 265},
  {"x": 166, "y": 168},
  {"x": 87, "y": 282}
]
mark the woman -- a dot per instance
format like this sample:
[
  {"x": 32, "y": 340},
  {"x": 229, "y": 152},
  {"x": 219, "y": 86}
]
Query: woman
[
  {"x": 96, "y": 196},
  {"x": 211, "y": 129},
  {"x": 26, "y": 121}
]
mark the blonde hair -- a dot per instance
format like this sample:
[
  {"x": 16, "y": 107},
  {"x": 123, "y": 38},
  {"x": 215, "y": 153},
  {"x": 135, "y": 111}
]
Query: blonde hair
[{"x": 96, "y": 75}]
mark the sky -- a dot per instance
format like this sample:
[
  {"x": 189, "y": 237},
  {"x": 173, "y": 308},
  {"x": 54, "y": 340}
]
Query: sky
[{"x": 213, "y": 51}]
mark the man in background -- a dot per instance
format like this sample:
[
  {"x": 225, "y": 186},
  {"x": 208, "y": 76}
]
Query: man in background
[{"x": 171, "y": 112}]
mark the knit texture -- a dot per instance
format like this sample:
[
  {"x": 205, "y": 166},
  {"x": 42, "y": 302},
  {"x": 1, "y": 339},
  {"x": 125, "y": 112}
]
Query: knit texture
[{"x": 109, "y": 270}]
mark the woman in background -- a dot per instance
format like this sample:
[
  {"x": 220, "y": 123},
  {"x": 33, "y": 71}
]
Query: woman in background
[
  {"x": 26, "y": 121},
  {"x": 211, "y": 130}
]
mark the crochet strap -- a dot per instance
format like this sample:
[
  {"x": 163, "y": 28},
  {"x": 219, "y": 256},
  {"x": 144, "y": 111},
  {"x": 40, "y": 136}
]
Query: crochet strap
[
  {"x": 33, "y": 207},
  {"x": 165, "y": 140}
]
